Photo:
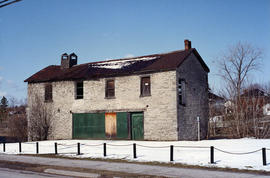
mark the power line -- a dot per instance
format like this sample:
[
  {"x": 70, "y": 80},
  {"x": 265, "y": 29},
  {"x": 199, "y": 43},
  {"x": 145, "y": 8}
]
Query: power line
[{"x": 7, "y": 3}]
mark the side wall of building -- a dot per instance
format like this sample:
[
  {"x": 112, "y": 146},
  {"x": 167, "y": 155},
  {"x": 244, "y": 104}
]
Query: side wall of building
[
  {"x": 196, "y": 82},
  {"x": 160, "y": 111}
]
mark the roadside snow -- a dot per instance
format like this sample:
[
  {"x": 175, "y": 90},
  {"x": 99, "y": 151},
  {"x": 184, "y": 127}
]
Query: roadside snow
[
  {"x": 192, "y": 156},
  {"x": 120, "y": 63}
]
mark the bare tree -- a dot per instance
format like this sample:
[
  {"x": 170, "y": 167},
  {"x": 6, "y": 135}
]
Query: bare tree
[
  {"x": 235, "y": 66},
  {"x": 40, "y": 119}
]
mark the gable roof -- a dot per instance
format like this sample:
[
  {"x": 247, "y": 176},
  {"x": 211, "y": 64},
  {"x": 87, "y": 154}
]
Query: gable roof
[
  {"x": 214, "y": 97},
  {"x": 118, "y": 67},
  {"x": 255, "y": 92}
]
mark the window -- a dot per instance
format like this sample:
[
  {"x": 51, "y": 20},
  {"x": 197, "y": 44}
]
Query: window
[
  {"x": 145, "y": 86},
  {"x": 48, "y": 92},
  {"x": 182, "y": 91},
  {"x": 79, "y": 90},
  {"x": 109, "y": 91}
]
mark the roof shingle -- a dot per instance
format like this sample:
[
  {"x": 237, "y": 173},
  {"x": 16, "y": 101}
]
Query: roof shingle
[{"x": 118, "y": 67}]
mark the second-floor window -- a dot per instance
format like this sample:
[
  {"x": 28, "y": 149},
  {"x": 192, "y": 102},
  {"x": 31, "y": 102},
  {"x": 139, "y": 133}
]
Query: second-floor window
[
  {"x": 145, "y": 86},
  {"x": 48, "y": 92},
  {"x": 109, "y": 89},
  {"x": 79, "y": 90},
  {"x": 182, "y": 91}
]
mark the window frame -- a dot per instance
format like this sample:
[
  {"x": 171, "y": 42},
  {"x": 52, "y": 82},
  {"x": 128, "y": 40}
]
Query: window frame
[
  {"x": 48, "y": 92},
  {"x": 107, "y": 89},
  {"x": 142, "y": 91},
  {"x": 182, "y": 97},
  {"x": 76, "y": 90}
]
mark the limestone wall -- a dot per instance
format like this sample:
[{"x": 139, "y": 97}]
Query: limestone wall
[{"x": 160, "y": 110}]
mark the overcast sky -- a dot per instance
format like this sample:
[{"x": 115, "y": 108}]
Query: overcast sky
[{"x": 34, "y": 33}]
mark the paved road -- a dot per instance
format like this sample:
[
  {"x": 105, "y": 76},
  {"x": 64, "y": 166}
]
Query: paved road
[
  {"x": 11, "y": 173},
  {"x": 129, "y": 167}
]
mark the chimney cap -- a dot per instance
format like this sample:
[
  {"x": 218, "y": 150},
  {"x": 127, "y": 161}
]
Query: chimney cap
[
  {"x": 187, "y": 44},
  {"x": 73, "y": 54},
  {"x": 67, "y": 61}
]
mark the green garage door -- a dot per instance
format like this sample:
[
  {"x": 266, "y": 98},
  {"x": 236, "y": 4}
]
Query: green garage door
[
  {"x": 137, "y": 130},
  {"x": 122, "y": 125},
  {"x": 88, "y": 125}
]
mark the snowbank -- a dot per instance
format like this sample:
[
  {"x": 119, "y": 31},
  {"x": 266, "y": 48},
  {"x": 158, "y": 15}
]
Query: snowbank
[{"x": 160, "y": 151}]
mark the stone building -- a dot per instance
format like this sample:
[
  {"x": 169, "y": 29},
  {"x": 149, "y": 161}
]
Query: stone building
[{"x": 153, "y": 97}]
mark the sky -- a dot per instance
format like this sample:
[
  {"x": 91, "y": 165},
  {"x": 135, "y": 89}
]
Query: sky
[{"x": 34, "y": 33}]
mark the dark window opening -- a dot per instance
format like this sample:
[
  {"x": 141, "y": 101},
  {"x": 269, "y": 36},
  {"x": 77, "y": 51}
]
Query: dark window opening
[
  {"x": 48, "y": 92},
  {"x": 145, "y": 86},
  {"x": 182, "y": 91},
  {"x": 79, "y": 90},
  {"x": 109, "y": 93}
]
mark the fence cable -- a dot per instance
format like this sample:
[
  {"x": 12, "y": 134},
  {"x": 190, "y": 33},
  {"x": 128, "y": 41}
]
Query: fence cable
[
  {"x": 119, "y": 145},
  {"x": 92, "y": 145},
  {"x": 243, "y": 153},
  {"x": 29, "y": 143},
  {"x": 62, "y": 144},
  {"x": 68, "y": 153},
  {"x": 153, "y": 146},
  {"x": 192, "y": 146},
  {"x": 66, "y": 147}
]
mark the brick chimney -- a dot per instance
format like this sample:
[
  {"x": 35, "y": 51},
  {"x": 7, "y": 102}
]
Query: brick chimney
[
  {"x": 187, "y": 44},
  {"x": 67, "y": 61}
]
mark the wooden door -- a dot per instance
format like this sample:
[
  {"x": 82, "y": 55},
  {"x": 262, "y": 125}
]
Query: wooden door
[
  {"x": 110, "y": 124},
  {"x": 137, "y": 129}
]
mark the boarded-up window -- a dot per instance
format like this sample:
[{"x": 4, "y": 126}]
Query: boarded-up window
[
  {"x": 109, "y": 93},
  {"x": 110, "y": 124},
  {"x": 48, "y": 92},
  {"x": 182, "y": 91},
  {"x": 145, "y": 86},
  {"x": 79, "y": 90}
]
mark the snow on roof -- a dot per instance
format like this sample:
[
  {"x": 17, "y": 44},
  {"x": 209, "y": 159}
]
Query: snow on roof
[{"x": 119, "y": 64}]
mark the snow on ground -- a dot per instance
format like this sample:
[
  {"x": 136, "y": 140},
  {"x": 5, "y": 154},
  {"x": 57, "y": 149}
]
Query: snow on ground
[
  {"x": 160, "y": 151},
  {"x": 118, "y": 64}
]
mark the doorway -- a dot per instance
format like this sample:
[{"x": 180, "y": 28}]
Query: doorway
[{"x": 137, "y": 128}]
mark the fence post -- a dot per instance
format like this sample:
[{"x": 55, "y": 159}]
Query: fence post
[
  {"x": 4, "y": 146},
  {"x": 20, "y": 147},
  {"x": 171, "y": 153},
  {"x": 79, "y": 150},
  {"x": 134, "y": 151},
  {"x": 264, "y": 156},
  {"x": 104, "y": 149},
  {"x": 212, "y": 155},
  {"x": 37, "y": 147},
  {"x": 55, "y": 148}
]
